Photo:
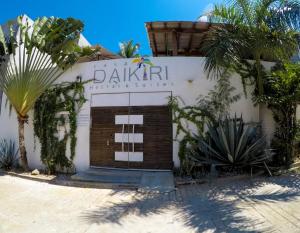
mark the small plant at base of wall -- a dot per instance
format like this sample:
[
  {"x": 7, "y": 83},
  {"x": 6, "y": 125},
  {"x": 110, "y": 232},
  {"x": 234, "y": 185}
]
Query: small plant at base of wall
[
  {"x": 8, "y": 154},
  {"x": 55, "y": 123},
  {"x": 231, "y": 145}
]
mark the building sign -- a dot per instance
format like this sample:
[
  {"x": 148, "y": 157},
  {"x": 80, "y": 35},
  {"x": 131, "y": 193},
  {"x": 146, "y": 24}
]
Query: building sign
[
  {"x": 141, "y": 72},
  {"x": 143, "y": 62}
]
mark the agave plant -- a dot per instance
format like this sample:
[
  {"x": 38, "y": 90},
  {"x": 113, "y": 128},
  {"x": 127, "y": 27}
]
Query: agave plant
[
  {"x": 8, "y": 154},
  {"x": 231, "y": 143}
]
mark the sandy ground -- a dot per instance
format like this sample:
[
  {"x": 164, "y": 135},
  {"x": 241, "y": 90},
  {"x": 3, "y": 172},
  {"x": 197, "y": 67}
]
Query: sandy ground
[{"x": 260, "y": 205}]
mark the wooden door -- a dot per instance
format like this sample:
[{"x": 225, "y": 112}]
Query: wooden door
[
  {"x": 102, "y": 136},
  {"x": 146, "y": 137},
  {"x": 157, "y": 134}
]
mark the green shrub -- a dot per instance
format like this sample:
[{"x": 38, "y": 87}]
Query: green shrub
[
  {"x": 8, "y": 154},
  {"x": 231, "y": 143},
  {"x": 282, "y": 95},
  {"x": 208, "y": 109}
]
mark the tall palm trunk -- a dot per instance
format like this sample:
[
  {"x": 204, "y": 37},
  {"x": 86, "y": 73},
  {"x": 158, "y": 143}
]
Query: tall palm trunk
[
  {"x": 259, "y": 78},
  {"x": 22, "y": 148}
]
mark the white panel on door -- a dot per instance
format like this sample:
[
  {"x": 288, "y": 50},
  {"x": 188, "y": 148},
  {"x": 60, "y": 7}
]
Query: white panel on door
[
  {"x": 136, "y": 157},
  {"x": 149, "y": 99},
  {"x": 121, "y": 156},
  {"x": 136, "y": 119},
  {"x": 129, "y": 119},
  {"x": 131, "y": 137},
  {"x": 121, "y": 119},
  {"x": 110, "y": 100},
  {"x": 136, "y": 137},
  {"x": 131, "y": 156}
]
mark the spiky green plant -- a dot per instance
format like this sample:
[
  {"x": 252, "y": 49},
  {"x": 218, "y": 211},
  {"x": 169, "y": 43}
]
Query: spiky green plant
[
  {"x": 128, "y": 49},
  {"x": 8, "y": 154},
  {"x": 251, "y": 29},
  {"x": 32, "y": 58},
  {"x": 231, "y": 143}
]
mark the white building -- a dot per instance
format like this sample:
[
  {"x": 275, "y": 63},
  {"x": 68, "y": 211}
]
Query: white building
[{"x": 126, "y": 121}]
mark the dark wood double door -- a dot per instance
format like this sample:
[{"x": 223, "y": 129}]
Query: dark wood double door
[{"x": 131, "y": 137}]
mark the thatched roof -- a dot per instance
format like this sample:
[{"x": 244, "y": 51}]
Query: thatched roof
[{"x": 177, "y": 38}]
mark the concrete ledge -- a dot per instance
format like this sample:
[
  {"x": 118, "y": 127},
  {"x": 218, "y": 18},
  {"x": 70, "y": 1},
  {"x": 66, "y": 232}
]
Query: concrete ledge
[
  {"x": 145, "y": 181},
  {"x": 65, "y": 180},
  {"x": 28, "y": 176},
  {"x": 157, "y": 182},
  {"x": 142, "y": 181},
  {"x": 189, "y": 182},
  {"x": 86, "y": 184}
]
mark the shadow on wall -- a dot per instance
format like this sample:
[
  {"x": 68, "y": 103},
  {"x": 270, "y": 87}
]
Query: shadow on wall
[{"x": 205, "y": 207}]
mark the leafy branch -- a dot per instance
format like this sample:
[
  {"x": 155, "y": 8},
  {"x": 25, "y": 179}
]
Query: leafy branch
[{"x": 55, "y": 110}]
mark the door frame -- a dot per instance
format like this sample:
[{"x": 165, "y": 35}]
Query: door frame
[{"x": 138, "y": 92}]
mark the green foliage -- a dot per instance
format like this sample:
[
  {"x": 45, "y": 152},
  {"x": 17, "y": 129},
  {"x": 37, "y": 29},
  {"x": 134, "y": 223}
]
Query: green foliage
[
  {"x": 221, "y": 97},
  {"x": 259, "y": 30},
  {"x": 128, "y": 49},
  {"x": 251, "y": 29},
  {"x": 208, "y": 109},
  {"x": 88, "y": 51},
  {"x": 32, "y": 58},
  {"x": 282, "y": 95},
  {"x": 185, "y": 118},
  {"x": 34, "y": 61},
  {"x": 8, "y": 154},
  {"x": 54, "y": 111},
  {"x": 230, "y": 143},
  {"x": 248, "y": 73}
]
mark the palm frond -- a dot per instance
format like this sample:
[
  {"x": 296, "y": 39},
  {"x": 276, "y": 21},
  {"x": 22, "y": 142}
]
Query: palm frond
[
  {"x": 34, "y": 57},
  {"x": 128, "y": 49},
  {"x": 251, "y": 29},
  {"x": 285, "y": 15},
  {"x": 222, "y": 47}
]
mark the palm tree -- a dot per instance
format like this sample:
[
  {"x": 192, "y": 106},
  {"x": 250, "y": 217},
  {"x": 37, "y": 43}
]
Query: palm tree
[
  {"x": 128, "y": 49},
  {"x": 251, "y": 29},
  {"x": 31, "y": 59}
]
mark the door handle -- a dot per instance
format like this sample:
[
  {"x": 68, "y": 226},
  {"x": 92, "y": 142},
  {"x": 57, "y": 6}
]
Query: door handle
[
  {"x": 123, "y": 137},
  {"x": 132, "y": 138},
  {"x": 107, "y": 142}
]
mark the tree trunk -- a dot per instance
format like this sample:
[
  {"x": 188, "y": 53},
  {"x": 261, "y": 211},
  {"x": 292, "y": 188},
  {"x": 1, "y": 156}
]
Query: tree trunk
[
  {"x": 291, "y": 131},
  {"x": 23, "y": 156},
  {"x": 260, "y": 85}
]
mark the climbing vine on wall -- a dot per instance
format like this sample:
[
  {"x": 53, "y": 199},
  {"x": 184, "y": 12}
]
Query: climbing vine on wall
[
  {"x": 209, "y": 108},
  {"x": 55, "y": 123},
  {"x": 186, "y": 117}
]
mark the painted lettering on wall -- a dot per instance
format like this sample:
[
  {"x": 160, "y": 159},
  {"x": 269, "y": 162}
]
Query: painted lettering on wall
[
  {"x": 140, "y": 72},
  {"x": 130, "y": 74}
]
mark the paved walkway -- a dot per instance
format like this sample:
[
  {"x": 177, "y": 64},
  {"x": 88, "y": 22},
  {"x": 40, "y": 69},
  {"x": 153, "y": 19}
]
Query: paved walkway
[{"x": 270, "y": 205}]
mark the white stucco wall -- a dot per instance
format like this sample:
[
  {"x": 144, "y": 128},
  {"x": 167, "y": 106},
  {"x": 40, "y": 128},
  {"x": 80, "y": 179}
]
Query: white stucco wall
[{"x": 181, "y": 76}]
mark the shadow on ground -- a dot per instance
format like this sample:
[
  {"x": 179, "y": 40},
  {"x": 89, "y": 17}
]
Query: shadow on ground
[{"x": 216, "y": 207}]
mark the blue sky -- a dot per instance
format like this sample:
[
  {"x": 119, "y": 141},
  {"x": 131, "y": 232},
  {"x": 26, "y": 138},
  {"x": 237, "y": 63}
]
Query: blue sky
[{"x": 107, "y": 22}]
